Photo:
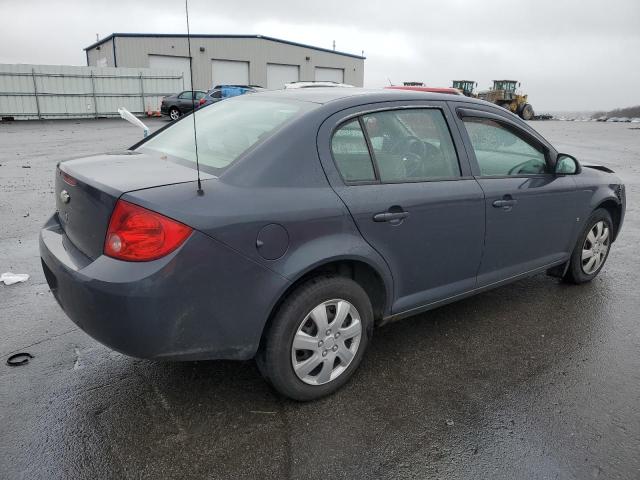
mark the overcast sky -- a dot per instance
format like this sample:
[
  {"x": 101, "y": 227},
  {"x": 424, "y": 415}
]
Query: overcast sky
[{"x": 568, "y": 54}]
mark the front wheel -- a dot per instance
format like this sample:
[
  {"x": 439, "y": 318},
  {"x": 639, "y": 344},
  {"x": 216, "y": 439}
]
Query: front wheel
[
  {"x": 592, "y": 249},
  {"x": 317, "y": 338},
  {"x": 174, "y": 113},
  {"x": 527, "y": 112}
]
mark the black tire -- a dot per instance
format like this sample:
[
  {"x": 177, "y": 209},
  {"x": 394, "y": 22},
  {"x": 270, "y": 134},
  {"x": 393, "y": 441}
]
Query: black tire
[
  {"x": 575, "y": 271},
  {"x": 174, "y": 113},
  {"x": 527, "y": 112},
  {"x": 275, "y": 357}
]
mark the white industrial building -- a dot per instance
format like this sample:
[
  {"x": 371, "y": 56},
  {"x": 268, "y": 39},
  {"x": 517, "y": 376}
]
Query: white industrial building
[{"x": 227, "y": 59}]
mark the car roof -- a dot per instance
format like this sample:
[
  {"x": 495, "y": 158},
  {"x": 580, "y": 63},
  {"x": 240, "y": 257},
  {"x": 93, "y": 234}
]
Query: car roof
[{"x": 325, "y": 95}]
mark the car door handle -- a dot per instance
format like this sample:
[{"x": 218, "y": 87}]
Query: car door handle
[
  {"x": 505, "y": 203},
  {"x": 390, "y": 216}
]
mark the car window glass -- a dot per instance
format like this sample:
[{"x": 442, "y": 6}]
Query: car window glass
[
  {"x": 412, "y": 145},
  {"x": 499, "y": 151},
  {"x": 351, "y": 154},
  {"x": 225, "y": 130},
  {"x": 200, "y": 95},
  {"x": 185, "y": 96}
]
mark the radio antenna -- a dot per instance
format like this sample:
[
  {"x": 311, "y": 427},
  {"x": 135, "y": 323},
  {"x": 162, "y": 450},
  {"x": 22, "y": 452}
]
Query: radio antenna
[{"x": 193, "y": 99}]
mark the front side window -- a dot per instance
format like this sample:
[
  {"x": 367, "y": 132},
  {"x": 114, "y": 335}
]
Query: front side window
[
  {"x": 411, "y": 145},
  {"x": 225, "y": 130},
  {"x": 499, "y": 151},
  {"x": 351, "y": 154}
]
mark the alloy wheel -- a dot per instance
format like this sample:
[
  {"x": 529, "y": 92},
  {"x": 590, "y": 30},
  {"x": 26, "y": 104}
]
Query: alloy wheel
[
  {"x": 174, "y": 114},
  {"x": 326, "y": 342},
  {"x": 595, "y": 247}
]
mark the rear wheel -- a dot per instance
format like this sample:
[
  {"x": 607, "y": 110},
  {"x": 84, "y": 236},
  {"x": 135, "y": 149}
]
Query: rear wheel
[
  {"x": 317, "y": 338},
  {"x": 174, "y": 113},
  {"x": 527, "y": 112},
  {"x": 592, "y": 249}
]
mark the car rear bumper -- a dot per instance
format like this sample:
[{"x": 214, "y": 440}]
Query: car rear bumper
[{"x": 203, "y": 301}]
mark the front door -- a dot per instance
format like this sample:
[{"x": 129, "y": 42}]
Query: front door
[
  {"x": 398, "y": 172},
  {"x": 531, "y": 213}
]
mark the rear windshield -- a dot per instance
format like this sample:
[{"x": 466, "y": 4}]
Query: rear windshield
[{"x": 226, "y": 130}]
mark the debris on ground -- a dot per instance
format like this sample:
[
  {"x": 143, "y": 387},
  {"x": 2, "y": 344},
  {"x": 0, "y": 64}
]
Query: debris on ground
[
  {"x": 9, "y": 278},
  {"x": 449, "y": 422},
  {"x": 18, "y": 359}
]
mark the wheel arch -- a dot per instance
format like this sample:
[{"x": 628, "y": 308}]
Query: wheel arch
[
  {"x": 615, "y": 210},
  {"x": 363, "y": 272}
]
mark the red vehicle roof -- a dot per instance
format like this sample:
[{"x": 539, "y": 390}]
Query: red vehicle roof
[{"x": 449, "y": 90}]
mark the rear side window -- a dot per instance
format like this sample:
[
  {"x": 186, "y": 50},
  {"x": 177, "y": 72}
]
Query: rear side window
[
  {"x": 226, "y": 130},
  {"x": 411, "y": 145},
  {"x": 499, "y": 151},
  {"x": 351, "y": 153}
]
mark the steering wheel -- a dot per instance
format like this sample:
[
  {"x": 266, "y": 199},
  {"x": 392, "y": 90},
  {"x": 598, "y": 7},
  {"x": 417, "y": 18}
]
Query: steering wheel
[
  {"x": 409, "y": 144},
  {"x": 413, "y": 151},
  {"x": 516, "y": 169}
]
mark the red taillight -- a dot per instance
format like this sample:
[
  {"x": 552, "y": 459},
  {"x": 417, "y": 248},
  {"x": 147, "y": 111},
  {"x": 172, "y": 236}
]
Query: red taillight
[
  {"x": 68, "y": 179},
  {"x": 139, "y": 235},
  {"x": 202, "y": 100}
]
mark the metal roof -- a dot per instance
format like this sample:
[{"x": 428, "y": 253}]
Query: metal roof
[{"x": 196, "y": 35}]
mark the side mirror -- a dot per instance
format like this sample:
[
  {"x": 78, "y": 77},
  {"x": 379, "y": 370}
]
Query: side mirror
[{"x": 566, "y": 165}]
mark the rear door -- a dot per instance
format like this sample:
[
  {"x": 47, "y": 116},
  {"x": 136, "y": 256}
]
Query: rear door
[
  {"x": 531, "y": 213},
  {"x": 397, "y": 169}
]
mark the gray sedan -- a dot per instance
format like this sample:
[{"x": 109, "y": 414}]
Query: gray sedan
[{"x": 321, "y": 213}]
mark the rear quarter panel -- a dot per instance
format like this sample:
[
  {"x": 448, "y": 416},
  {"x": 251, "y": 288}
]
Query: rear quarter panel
[{"x": 281, "y": 182}]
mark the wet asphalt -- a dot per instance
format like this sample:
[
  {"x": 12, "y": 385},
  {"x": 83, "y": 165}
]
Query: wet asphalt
[{"x": 536, "y": 380}]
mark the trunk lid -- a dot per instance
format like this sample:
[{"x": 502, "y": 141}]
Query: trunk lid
[{"x": 87, "y": 190}]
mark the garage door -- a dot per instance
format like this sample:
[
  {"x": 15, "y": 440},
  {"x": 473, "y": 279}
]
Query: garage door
[
  {"x": 278, "y": 75},
  {"x": 325, "y": 74},
  {"x": 229, "y": 72},
  {"x": 176, "y": 64}
]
